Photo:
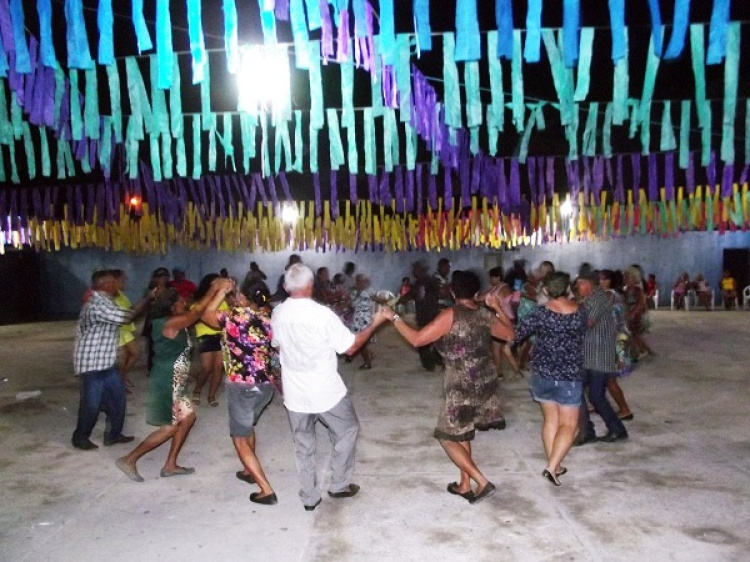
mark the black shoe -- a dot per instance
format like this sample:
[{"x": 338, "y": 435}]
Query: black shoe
[
  {"x": 270, "y": 499},
  {"x": 551, "y": 477},
  {"x": 612, "y": 437},
  {"x": 120, "y": 439},
  {"x": 582, "y": 440},
  {"x": 348, "y": 492},
  {"x": 629, "y": 417},
  {"x": 453, "y": 489},
  {"x": 86, "y": 445},
  {"x": 313, "y": 506},
  {"x": 245, "y": 477},
  {"x": 487, "y": 491}
]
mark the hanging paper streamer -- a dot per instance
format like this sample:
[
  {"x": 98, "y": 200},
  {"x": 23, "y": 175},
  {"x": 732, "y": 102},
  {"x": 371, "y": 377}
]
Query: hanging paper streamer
[
  {"x": 607, "y": 132},
  {"x": 517, "y": 80},
  {"x": 316, "y": 87},
  {"x": 621, "y": 85},
  {"x": 104, "y": 22},
  {"x": 299, "y": 146},
  {"x": 679, "y": 29},
  {"x": 698, "y": 56},
  {"x": 299, "y": 32},
  {"x": 313, "y": 14},
  {"x": 141, "y": 31},
  {"x": 731, "y": 73},
  {"x": 370, "y": 147},
  {"x": 571, "y": 23},
  {"x": 684, "y": 133},
  {"x": 584, "y": 63},
  {"x": 47, "y": 48},
  {"x": 376, "y": 82},
  {"x": 473, "y": 101},
  {"x": 79, "y": 55},
  {"x": 421, "y": 25},
  {"x": 706, "y": 133},
  {"x": 617, "y": 23},
  {"x": 17, "y": 18},
  {"x": 504, "y": 20},
  {"x": 403, "y": 77},
  {"x": 533, "y": 31},
  {"x": 496, "y": 86},
  {"x": 197, "y": 44},
  {"x": 717, "y": 32},
  {"x": 656, "y": 28},
  {"x": 334, "y": 135},
  {"x": 468, "y": 47},
  {"x": 197, "y": 152},
  {"x": 91, "y": 106},
  {"x": 667, "y": 141},
  {"x": 649, "y": 80},
  {"x": 164, "y": 50},
  {"x": 589, "y": 133},
  {"x": 450, "y": 76},
  {"x": 267, "y": 21},
  {"x": 231, "y": 40},
  {"x": 747, "y": 132},
  {"x": 387, "y": 32}
]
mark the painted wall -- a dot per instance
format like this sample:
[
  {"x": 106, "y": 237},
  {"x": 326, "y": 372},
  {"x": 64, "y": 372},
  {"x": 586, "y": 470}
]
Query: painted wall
[{"x": 65, "y": 275}]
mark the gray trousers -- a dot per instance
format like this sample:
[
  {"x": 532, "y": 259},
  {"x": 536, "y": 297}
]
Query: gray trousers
[{"x": 343, "y": 428}]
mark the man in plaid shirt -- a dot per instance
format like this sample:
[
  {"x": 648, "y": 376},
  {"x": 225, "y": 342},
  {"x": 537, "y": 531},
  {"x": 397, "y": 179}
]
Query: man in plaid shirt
[{"x": 95, "y": 359}]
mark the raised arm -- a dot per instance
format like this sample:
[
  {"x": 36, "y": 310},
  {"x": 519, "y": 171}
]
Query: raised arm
[
  {"x": 181, "y": 321},
  {"x": 435, "y": 330},
  {"x": 210, "y": 313},
  {"x": 362, "y": 337}
]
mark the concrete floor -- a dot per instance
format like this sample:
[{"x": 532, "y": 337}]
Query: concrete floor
[{"x": 677, "y": 490}]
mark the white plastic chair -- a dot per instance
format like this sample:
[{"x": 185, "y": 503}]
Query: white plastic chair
[
  {"x": 746, "y": 298},
  {"x": 655, "y": 298}
]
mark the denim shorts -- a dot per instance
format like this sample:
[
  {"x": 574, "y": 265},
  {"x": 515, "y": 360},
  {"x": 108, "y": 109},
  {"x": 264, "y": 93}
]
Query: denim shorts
[
  {"x": 564, "y": 393},
  {"x": 245, "y": 404}
]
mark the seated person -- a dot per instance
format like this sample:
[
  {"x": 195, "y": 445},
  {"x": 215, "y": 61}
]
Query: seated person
[
  {"x": 703, "y": 290},
  {"x": 651, "y": 288},
  {"x": 680, "y": 289},
  {"x": 728, "y": 289}
]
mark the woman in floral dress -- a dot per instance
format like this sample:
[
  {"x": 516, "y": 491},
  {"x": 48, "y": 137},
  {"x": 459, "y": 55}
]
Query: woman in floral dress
[
  {"x": 465, "y": 332},
  {"x": 363, "y": 307}
]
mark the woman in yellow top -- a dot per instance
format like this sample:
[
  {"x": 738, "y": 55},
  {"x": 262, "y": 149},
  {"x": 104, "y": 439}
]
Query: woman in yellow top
[
  {"x": 209, "y": 348},
  {"x": 130, "y": 349},
  {"x": 728, "y": 289}
]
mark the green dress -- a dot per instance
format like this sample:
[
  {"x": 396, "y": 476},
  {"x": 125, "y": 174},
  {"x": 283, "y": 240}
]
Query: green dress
[{"x": 167, "y": 401}]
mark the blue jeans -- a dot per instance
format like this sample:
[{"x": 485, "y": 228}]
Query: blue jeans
[
  {"x": 596, "y": 382},
  {"x": 100, "y": 390}
]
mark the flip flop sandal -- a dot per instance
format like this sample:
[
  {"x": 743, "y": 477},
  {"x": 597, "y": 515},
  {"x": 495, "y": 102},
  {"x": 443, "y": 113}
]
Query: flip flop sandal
[
  {"x": 196, "y": 399},
  {"x": 213, "y": 401}
]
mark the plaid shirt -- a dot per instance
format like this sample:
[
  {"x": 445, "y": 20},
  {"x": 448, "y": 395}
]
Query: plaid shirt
[
  {"x": 600, "y": 344},
  {"x": 97, "y": 335}
]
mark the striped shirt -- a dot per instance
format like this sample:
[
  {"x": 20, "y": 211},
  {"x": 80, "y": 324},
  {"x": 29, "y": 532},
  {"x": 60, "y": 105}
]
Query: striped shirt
[
  {"x": 600, "y": 343},
  {"x": 97, "y": 335}
]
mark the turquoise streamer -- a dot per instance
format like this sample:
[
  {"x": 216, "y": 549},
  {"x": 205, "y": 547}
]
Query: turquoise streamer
[
  {"x": 617, "y": 23},
  {"x": 247, "y": 128},
  {"x": 731, "y": 73},
  {"x": 589, "y": 132},
  {"x": 141, "y": 31},
  {"x": 584, "y": 64},
  {"x": 389, "y": 123},
  {"x": 607, "y": 131},
  {"x": 496, "y": 85},
  {"x": 473, "y": 101},
  {"x": 558, "y": 75},
  {"x": 634, "y": 122},
  {"x": 649, "y": 80},
  {"x": 403, "y": 77},
  {"x": 175, "y": 102},
  {"x": 347, "y": 93},
  {"x": 313, "y": 14},
  {"x": 621, "y": 85},
  {"x": 351, "y": 141},
  {"x": 113, "y": 80},
  {"x": 533, "y": 29},
  {"x": 299, "y": 146},
  {"x": 316, "y": 87},
  {"x": 313, "y": 150},
  {"x": 387, "y": 32},
  {"x": 197, "y": 150},
  {"x": 158, "y": 102},
  {"x": 541, "y": 124},
  {"x": 571, "y": 132},
  {"x": 3, "y": 63},
  {"x": 679, "y": 29},
  {"x": 517, "y": 80},
  {"x": 411, "y": 146},
  {"x": 468, "y": 39},
  {"x": 656, "y": 27},
  {"x": 336, "y": 151},
  {"x": 571, "y": 23},
  {"x": 286, "y": 144},
  {"x": 523, "y": 149},
  {"x": 155, "y": 157},
  {"x": 747, "y": 131},
  {"x": 434, "y": 160},
  {"x": 267, "y": 23},
  {"x": 197, "y": 43},
  {"x": 28, "y": 145},
  {"x": 6, "y": 131},
  {"x": 105, "y": 146},
  {"x": 390, "y": 116},
  {"x": 667, "y": 141},
  {"x": 181, "y": 158},
  {"x": 131, "y": 148},
  {"x": 706, "y": 134},
  {"x": 452, "y": 94},
  {"x": 17, "y": 18},
  {"x": 231, "y": 37},
  {"x": 14, "y": 177},
  {"x": 206, "y": 99},
  {"x": 717, "y": 32},
  {"x": 370, "y": 148},
  {"x": 135, "y": 123},
  {"x": 16, "y": 116},
  {"x": 684, "y": 133},
  {"x": 474, "y": 140},
  {"x": 299, "y": 32},
  {"x": 76, "y": 120},
  {"x": 211, "y": 142},
  {"x": 91, "y": 106},
  {"x": 60, "y": 159},
  {"x": 699, "y": 71},
  {"x": 79, "y": 55},
  {"x": 421, "y": 25},
  {"x": 104, "y": 22},
  {"x": 376, "y": 82},
  {"x": 46, "y": 163},
  {"x": 166, "y": 156},
  {"x": 85, "y": 165},
  {"x": 492, "y": 130},
  {"x": 164, "y": 50},
  {"x": 59, "y": 89},
  {"x": 46, "y": 45}
]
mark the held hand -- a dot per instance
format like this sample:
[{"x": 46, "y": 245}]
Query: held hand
[{"x": 387, "y": 313}]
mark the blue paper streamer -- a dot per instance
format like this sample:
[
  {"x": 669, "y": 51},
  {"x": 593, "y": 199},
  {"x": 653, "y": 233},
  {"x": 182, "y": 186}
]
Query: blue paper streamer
[
  {"x": 571, "y": 24},
  {"x": 360, "y": 17},
  {"x": 197, "y": 43},
  {"x": 313, "y": 14},
  {"x": 231, "y": 38},
  {"x": 421, "y": 24},
  {"x": 105, "y": 21},
  {"x": 46, "y": 46},
  {"x": 533, "y": 43},
  {"x": 717, "y": 32},
  {"x": 656, "y": 30},
  {"x": 504, "y": 20},
  {"x": 267, "y": 24},
  {"x": 164, "y": 50},
  {"x": 387, "y": 32},
  {"x": 141, "y": 31},
  {"x": 17, "y": 18},
  {"x": 468, "y": 40},
  {"x": 679, "y": 29},
  {"x": 617, "y": 23},
  {"x": 299, "y": 33}
]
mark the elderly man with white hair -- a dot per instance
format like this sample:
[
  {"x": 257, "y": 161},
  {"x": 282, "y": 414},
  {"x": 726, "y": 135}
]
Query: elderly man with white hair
[{"x": 308, "y": 336}]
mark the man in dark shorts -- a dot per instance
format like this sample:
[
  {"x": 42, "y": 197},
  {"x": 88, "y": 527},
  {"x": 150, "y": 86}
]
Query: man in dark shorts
[{"x": 425, "y": 292}]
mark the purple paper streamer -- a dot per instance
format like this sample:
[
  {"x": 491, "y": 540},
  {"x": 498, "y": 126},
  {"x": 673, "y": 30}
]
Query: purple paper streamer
[
  {"x": 285, "y": 186},
  {"x": 48, "y": 91},
  {"x": 476, "y": 173},
  {"x": 653, "y": 178},
  {"x": 326, "y": 31},
  {"x": 669, "y": 176},
  {"x": 711, "y": 171},
  {"x": 398, "y": 187},
  {"x": 281, "y": 10},
  {"x": 385, "y": 188},
  {"x": 36, "y": 113},
  {"x": 253, "y": 195},
  {"x": 28, "y": 95},
  {"x": 743, "y": 175},
  {"x": 726, "y": 183},
  {"x": 598, "y": 178},
  {"x": 620, "y": 185},
  {"x": 353, "y": 189},
  {"x": 272, "y": 190},
  {"x": 64, "y": 116},
  {"x": 586, "y": 178},
  {"x": 248, "y": 194},
  {"x": 502, "y": 182},
  {"x": 343, "y": 36},
  {"x": 260, "y": 189},
  {"x": 46, "y": 208},
  {"x": 571, "y": 170},
  {"x": 550, "y": 177},
  {"x": 6, "y": 28},
  {"x": 36, "y": 200},
  {"x": 487, "y": 177},
  {"x": 409, "y": 188},
  {"x": 432, "y": 196},
  {"x": 418, "y": 187},
  {"x": 372, "y": 188},
  {"x": 515, "y": 184},
  {"x": 316, "y": 189},
  {"x": 334, "y": 194},
  {"x": 531, "y": 170},
  {"x": 540, "y": 179},
  {"x": 448, "y": 191},
  {"x": 608, "y": 170},
  {"x": 78, "y": 205},
  {"x": 635, "y": 161},
  {"x": 15, "y": 80}
]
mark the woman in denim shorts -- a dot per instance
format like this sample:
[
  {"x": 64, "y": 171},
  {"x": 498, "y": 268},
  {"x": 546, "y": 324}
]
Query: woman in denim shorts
[
  {"x": 209, "y": 349},
  {"x": 556, "y": 365}
]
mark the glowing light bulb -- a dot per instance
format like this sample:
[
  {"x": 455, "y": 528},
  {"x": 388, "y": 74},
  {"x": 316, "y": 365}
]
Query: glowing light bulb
[
  {"x": 566, "y": 209},
  {"x": 289, "y": 214}
]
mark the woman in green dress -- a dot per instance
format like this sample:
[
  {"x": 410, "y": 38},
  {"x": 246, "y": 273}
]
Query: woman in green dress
[{"x": 169, "y": 408}]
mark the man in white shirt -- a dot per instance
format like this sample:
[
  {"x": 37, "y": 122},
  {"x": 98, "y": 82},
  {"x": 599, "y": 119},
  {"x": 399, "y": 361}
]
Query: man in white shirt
[{"x": 309, "y": 336}]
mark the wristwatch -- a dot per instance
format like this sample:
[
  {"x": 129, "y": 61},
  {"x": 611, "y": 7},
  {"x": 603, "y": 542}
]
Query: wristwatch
[{"x": 396, "y": 318}]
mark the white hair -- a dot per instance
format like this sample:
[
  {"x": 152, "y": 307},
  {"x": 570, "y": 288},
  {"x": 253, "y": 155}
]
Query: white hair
[{"x": 297, "y": 277}]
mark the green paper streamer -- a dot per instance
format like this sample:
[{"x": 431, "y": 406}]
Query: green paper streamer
[
  {"x": 731, "y": 72},
  {"x": 6, "y": 131},
  {"x": 517, "y": 79},
  {"x": 135, "y": 122},
  {"x": 299, "y": 146},
  {"x": 16, "y": 117},
  {"x": 492, "y": 130},
  {"x": 158, "y": 102},
  {"x": 607, "y": 131},
  {"x": 206, "y": 114},
  {"x": 584, "y": 64},
  {"x": 376, "y": 81},
  {"x": 76, "y": 120},
  {"x": 571, "y": 131},
  {"x": 567, "y": 82},
  {"x": 621, "y": 85},
  {"x": 698, "y": 55},
  {"x": 313, "y": 150},
  {"x": 13, "y": 165},
  {"x": 181, "y": 158},
  {"x": 395, "y": 144},
  {"x": 667, "y": 141},
  {"x": 211, "y": 142},
  {"x": 46, "y": 163},
  {"x": 411, "y": 146},
  {"x": 347, "y": 92},
  {"x": 3, "y": 178},
  {"x": 113, "y": 80},
  {"x": 473, "y": 101},
  {"x": 247, "y": 131},
  {"x": 265, "y": 163},
  {"x": 227, "y": 141},
  {"x": 336, "y": 151},
  {"x": 706, "y": 134},
  {"x": 351, "y": 141},
  {"x": 634, "y": 112},
  {"x": 388, "y": 125},
  {"x": 523, "y": 149},
  {"x": 155, "y": 157},
  {"x": 105, "y": 152},
  {"x": 474, "y": 140},
  {"x": 589, "y": 133},
  {"x": 558, "y": 77},
  {"x": 175, "y": 102},
  {"x": 28, "y": 146},
  {"x": 649, "y": 80},
  {"x": 59, "y": 89},
  {"x": 316, "y": 88},
  {"x": 747, "y": 131},
  {"x": 132, "y": 147},
  {"x": 167, "y": 166},
  {"x": 69, "y": 161},
  {"x": 452, "y": 93},
  {"x": 60, "y": 159},
  {"x": 496, "y": 87},
  {"x": 197, "y": 151},
  {"x": 684, "y": 133},
  {"x": 370, "y": 154},
  {"x": 403, "y": 77},
  {"x": 541, "y": 124},
  {"x": 709, "y": 210},
  {"x": 91, "y": 105}
]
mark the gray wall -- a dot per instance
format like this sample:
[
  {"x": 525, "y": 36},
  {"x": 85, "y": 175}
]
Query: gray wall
[{"x": 65, "y": 274}]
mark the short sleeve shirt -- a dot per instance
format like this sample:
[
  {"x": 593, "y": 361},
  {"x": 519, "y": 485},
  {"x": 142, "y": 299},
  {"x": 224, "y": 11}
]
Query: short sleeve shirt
[
  {"x": 309, "y": 335},
  {"x": 246, "y": 345},
  {"x": 97, "y": 334}
]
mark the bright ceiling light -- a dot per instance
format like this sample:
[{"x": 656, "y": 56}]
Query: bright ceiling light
[
  {"x": 566, "y": 209},
  {"x": 289, "y": 213},
  {"x": 263, "y": 79}
]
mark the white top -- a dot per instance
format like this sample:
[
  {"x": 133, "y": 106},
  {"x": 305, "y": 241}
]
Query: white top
[{"x": 309, "y": 336}]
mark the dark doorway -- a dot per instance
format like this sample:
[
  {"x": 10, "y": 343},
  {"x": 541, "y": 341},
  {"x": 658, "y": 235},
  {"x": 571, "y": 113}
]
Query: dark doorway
[
  {"x": 737, "y": 261},
  {"x": 19, "y": 286}
]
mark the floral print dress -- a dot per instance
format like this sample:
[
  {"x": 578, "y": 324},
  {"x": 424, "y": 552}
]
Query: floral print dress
[
  {"x": 470, "y": 382},
  {"x": 246, "y": 347}
]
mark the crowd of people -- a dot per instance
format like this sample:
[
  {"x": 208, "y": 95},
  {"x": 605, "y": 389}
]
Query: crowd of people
[
  {"x": 577, "y": 337},
  {"x": 704, "y": 294}
]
